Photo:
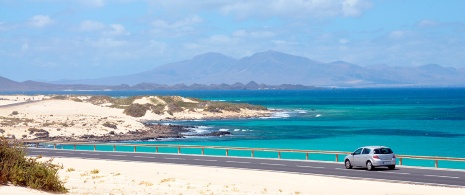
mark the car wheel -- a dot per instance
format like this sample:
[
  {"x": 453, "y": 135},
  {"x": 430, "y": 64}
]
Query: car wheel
[
  {"x": 370, "y": 166},
  {"x": 348, "y": 165},
  {"x": 392, "y": 167}
]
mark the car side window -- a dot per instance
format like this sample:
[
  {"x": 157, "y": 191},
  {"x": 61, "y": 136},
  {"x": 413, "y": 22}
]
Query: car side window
[
  {"x": 366, "y": 151},
  {"x": 358, "y": 151}
]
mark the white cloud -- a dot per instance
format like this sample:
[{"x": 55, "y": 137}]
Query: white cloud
[
  {"x": 107, "y": 30},
  {"x": 108, "y": 43},
  {"x": 428, "y": 23},
  {"x": 40, "y": 21},
  {"x": 289, "y": 9},
  {"x": 177, "y": 27},
  {"x": 398, "y": 34},
  {"x": 115, "y": 30},
  {"x": 183, "y": 24},
  {"x": 344, "y": 41},
  {"x": 253, "y": 34},
  {"x": 88, "y": 25},
  {"x": 283, "y": 42},
  {"x": 296, "y": 8}
]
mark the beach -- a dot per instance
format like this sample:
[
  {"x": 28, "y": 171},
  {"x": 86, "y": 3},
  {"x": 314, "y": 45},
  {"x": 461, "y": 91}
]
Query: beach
[
  {"x": 83, "y": 176},
  {"x": 73, "y": 117}
]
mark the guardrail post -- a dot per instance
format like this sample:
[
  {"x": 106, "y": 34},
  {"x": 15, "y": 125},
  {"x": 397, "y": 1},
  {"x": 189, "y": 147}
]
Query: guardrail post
[
  {"x": 227, "y": 152},
  {"x": 37, "y": 145},
  {"x": 279, "y": 154},
  {"x": 135, "y": 148},
  {"x": 54, "y": 146},
  {"x": 74, "y": 146},
  {"x": 306, "y": 156},
  {"x": 337, "y": 157},
  {"x": 400, "y": 161},
  {"x": 436, "y": 164},
  {"x": 179, "y": 150},
  {"x": 114, "y": 147},
  {"x": 95, "y": 147},
  {"x": 156, "y": 149},
  {"x": 253, "y": 154},
  {"x": 203, "y": 151}
]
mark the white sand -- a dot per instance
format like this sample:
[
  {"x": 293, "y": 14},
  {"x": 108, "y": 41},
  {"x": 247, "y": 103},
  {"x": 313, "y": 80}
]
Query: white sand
[
  {"x": 116, "y": 177},
  {"x": 69, "y": 117}
]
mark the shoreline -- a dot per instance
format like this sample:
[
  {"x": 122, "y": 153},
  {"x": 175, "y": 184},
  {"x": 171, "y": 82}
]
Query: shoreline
[{"x": 103, "y": 118}]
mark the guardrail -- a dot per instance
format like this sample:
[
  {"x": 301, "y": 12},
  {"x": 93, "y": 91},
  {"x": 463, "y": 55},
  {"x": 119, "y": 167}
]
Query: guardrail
[{"x": 279, "y": 152}]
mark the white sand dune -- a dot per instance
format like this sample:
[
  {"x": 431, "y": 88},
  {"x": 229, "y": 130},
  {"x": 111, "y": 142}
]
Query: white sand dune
[{"x": 71, "y": 117}]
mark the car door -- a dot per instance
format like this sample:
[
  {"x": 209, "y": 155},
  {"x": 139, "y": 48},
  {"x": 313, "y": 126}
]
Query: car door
[
  {"x": 356, "y": 156},
  {"x": 364, "y": 156}
]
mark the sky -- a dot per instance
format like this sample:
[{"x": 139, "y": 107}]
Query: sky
[{"x": 50, "y": 40}]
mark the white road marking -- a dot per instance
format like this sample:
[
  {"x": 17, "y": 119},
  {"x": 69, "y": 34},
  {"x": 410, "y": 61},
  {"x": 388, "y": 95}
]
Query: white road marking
[
  {"x": 175, "y": 158},
  {"x": 394, "y": 173},
  {"x": 237, "y": 162},
  {"x": 443, "y": 176},
  {"x": 116, "y": 155},
  {"x": 272, "y": 164},
  {"x": 144, "y": 157},
  {"x": 310, "y": 167},
  {"x": 64, "y": 152},
  {"x": 206, "y": 160},
  {"x": 91, "y": 154},
  {"x": 349, "y": 169}
]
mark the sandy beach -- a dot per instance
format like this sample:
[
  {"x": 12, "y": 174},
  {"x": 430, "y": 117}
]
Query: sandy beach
[
  {"x": 23, "y": 117},
  {"x": 83, "y": 176}
]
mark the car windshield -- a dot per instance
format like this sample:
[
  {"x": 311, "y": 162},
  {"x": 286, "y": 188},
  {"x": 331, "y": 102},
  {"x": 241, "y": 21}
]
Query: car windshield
[{"x": 383, "y": 151}]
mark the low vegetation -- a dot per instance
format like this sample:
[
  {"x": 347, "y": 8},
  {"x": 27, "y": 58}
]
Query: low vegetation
[
  {"x": 137, "y": 110},
  {"x": 163, "y": 104},
  {"x": 17, "y": 169}
]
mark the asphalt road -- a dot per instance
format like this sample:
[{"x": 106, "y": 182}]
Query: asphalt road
[{"x": 440, "y": 177}]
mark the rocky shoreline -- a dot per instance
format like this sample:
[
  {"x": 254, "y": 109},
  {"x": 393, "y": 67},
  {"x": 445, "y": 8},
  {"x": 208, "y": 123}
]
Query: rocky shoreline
[{"x": 152, "y": 132}]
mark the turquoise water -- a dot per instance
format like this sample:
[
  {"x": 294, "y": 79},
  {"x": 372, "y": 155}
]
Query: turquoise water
[{"x": 429, "y": 122}]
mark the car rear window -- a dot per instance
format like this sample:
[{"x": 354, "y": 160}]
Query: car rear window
[{"x": 383, "y": 151}]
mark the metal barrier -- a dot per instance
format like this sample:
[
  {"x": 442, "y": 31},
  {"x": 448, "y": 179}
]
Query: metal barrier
[{"x": 436, "y": 159}]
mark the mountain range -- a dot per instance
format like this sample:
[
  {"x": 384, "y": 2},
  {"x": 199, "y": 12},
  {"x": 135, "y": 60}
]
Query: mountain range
[{"x": 273, "y": 68}]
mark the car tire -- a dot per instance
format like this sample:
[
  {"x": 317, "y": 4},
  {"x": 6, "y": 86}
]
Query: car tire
[
  {"x": 370, "y": 166},
  {"x": 347, "y": 164},
  {"x": 392, "y": 167}
]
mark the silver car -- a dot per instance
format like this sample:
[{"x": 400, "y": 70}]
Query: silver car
[{"x": 370, "y": 157}]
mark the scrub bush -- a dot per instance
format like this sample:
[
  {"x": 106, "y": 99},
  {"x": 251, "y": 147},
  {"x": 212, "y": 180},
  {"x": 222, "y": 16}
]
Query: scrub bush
[{"x": 17, "y": 169}]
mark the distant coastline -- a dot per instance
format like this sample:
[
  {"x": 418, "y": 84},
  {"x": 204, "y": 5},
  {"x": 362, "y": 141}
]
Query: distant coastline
[{"x": 7, "y": 85}]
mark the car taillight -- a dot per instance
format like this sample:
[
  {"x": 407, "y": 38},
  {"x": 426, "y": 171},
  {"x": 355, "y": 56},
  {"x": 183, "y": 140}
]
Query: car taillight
[
  {"x": 376, "y": 156},
  {"x": 393, "y": 156}
]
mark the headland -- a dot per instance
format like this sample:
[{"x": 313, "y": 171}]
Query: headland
[{"x": 104, "y": 118}]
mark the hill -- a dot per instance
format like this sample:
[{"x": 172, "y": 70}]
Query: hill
[{"x": 276, "y": 68}]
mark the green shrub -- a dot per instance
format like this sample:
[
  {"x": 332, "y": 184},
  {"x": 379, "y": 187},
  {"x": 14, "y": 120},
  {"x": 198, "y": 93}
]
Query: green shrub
[
  {"x": 22, "y": 171},
  {"x": 158, "y": 109},
  {"x": 136, "y": 110},
  {"x": 15, "y": 113}
]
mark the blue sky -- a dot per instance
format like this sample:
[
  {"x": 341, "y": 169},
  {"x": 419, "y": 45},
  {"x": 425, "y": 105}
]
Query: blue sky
[{"x": 51, "y": 40}]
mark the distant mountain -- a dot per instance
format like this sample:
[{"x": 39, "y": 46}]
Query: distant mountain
[
  {"x": 270, "y": 68},
  {"x": 276, "y": 68}
]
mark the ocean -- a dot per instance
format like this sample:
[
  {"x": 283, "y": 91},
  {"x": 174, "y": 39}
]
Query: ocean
[{"x": 423, "y": 121}]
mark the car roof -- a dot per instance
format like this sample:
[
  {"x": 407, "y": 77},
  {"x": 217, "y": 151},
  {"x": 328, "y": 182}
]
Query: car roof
[{"x": 374, "y": 147}]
